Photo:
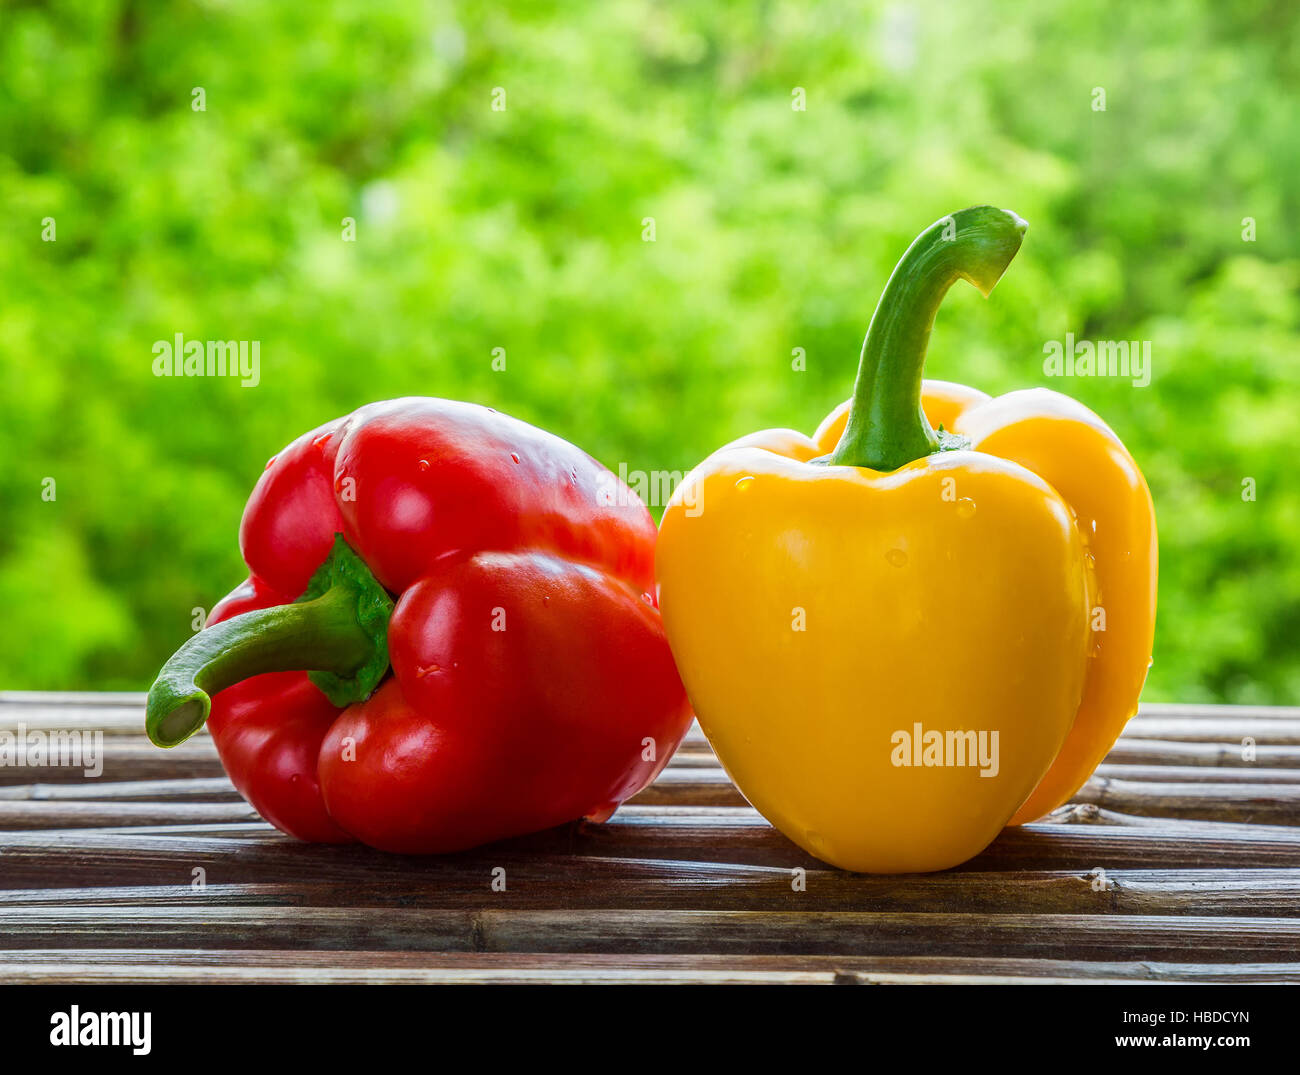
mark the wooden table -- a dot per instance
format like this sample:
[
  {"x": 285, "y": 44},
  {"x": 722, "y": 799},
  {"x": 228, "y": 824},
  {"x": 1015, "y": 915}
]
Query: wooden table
[{"x": 1180, "y": 861}]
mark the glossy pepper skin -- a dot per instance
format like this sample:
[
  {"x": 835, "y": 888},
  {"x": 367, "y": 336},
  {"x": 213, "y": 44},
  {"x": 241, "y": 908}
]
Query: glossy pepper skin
[
  {"x": 474, "y": 601},
  {"x": 930, "y": 561}
]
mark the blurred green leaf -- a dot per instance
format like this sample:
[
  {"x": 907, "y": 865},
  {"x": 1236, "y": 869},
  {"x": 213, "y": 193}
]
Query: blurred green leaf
[{"x": 522, "y": 229}]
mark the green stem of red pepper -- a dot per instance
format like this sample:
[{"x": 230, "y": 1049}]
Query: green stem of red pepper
[
  {"x": 337, "y": 631},
  {"x": 886, "y": 426}
]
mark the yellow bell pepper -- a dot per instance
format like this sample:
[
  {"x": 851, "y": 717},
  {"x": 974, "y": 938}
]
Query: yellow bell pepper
[{"x": 900, "y": 640}]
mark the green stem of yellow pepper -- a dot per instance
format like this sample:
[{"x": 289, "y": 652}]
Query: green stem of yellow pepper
[{"x": 886, "y": 426}]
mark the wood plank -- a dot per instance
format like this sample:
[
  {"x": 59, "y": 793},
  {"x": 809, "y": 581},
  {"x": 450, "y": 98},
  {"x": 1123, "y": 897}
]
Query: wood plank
[
  {"x": 1160, "y": 752},
  {"x": 18, "y": 814},
  {"x": 123, "y": 758},
  {"x": 558, "y": 882},
  {"x": 1212, "y": 711},
  {"x": 1183, "y": 938},
  {"x": 1258, "y": 804},
  {"x": 113, "y": 721},
  {"x": 169, "y": 965},
  {"x": 1197, "y": 774},
  {"x": 1233, "y": 729},
  {"x": 239, "y": 830},
  {"x": 61, "y": 699},
  {"x": 203, "y": 789},
  {"x": 697, "y": 785},
  {"x": 1200, "y": 850},
  {"x": 1047, "y": 846},
  {"x": 736, "y": 836},
  {"x": 1090, "y": 814}
]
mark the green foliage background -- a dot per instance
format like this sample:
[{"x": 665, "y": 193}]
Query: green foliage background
[{"x": 522, "y": 229}]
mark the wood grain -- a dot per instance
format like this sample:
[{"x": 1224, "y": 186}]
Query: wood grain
[
  {"x": 1179, "y": 861},
  {"x": 482, "y": 928},
  {"x": 165, "y": 966}
]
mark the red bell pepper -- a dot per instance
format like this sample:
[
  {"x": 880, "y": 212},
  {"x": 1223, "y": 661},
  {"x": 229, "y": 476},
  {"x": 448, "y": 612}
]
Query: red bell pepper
[{"x": 450, "y": 636}]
